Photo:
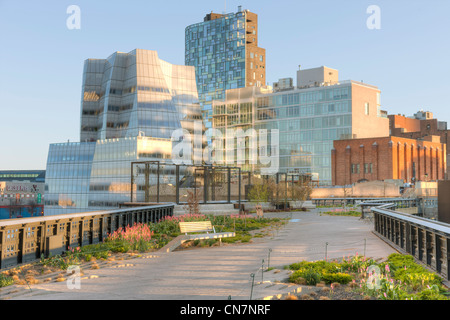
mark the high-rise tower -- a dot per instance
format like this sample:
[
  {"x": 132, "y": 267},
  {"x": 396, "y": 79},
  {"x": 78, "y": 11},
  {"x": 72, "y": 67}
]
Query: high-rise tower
[{"x": 224, "y": 51}]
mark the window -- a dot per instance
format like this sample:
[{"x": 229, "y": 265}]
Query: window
[
  {"x": 366, "y": 108},
  {"x": 368, "y": 168},
  {"x": 355, "y": 168}
]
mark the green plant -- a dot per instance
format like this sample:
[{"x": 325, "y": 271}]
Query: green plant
[
  {"x": 431, "y": 293},
  {"x": 311, "y": 277},
  {"x": 340, "y": 212},
  {"x": 313, "y": 272},
  {"x": 339, "y": 277},
  {"x": 5, "y": 280},
  {"x": 258, "y": 193},
  {"x": 308, "y": 276}
]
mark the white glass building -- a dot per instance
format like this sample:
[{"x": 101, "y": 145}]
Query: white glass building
[{"x": 131, "y": 104}]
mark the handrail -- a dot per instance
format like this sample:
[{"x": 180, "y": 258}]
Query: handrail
[
  {"x": 428, "y": 241},
  {"x": 26, "y": 239}
]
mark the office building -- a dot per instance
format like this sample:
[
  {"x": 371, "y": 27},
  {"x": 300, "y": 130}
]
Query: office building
[
  {"x": 224, "y": 51},
  {"x": 309, "y": 118},
  {"x": 131, "y": 104}
]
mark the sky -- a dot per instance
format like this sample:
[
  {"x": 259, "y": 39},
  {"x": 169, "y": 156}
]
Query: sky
[{"x": 41, "y": 59}]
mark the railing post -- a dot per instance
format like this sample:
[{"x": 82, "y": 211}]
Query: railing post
[{"x": 177, "y": 184}]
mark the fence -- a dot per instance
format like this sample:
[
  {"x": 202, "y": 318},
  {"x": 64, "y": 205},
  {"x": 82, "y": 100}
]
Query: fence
[
  {"x": 393, "y": 203},
  {"x": 25, "y": 240},
  {"x": 427, "y": 240},
  {"x": 158, "y": 181},
  {"x": 352, "y": 201}
]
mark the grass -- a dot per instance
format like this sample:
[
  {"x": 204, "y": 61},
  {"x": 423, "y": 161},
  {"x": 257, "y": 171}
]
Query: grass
[
  {"x": 397, "y": 278},
  {"x": 342, "y": 212},
  {"x": 5, "y": 280}
]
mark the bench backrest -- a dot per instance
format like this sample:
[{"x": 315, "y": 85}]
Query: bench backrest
[{"x": 196, "y": 226}]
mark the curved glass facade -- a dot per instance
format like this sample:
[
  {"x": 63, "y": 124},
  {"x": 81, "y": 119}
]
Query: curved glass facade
[
  {"x": 131, "y": 104},
  {"x": 136, "y": 93}
]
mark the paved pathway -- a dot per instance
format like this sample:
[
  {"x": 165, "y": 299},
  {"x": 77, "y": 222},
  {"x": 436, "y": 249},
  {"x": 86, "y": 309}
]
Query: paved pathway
[{"x": 220, "y": 272}]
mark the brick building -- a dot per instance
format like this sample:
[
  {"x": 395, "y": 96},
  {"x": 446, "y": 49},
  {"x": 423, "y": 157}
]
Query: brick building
[
  {"x": 419, "y": 126},
  {"x": 382, "y": 158}
]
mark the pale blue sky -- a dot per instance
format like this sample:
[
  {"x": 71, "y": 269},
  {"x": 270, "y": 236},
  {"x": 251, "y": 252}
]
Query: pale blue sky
[{"x": 41, "y": 60}]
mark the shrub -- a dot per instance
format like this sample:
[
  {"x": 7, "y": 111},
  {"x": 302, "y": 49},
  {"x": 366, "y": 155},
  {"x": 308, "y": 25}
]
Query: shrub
[
  {"x": 339, "y": 277},
  {"x": 311, "y": 277},
  {"x": 299, "y": 265},
  {"x": 5, "y": 280},
  {"x": 305, "y": 276},
  {"x": 431, "y": 293}
]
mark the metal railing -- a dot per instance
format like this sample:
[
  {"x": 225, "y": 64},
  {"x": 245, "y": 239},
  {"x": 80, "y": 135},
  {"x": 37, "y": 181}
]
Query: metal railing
[
  {"x": 428, "y": 241},
  {"x": 351, "y": 200},
  {"x": 391, "y": 203},
  {"x": 25, "y": 240}
]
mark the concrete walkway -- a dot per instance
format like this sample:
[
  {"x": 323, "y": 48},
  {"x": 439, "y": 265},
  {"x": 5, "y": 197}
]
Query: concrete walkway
[{"x": 220, "y": 272}]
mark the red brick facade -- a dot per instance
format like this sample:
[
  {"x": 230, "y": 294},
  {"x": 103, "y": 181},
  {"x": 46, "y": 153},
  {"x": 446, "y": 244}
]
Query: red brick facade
[
  {"x": 401, "y": 126},
  {"x": 383, "y": 158}
]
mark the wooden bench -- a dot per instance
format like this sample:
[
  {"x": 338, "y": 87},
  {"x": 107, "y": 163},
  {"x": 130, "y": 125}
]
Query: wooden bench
[
  {"x": 202, "y": 226},
  {"x": 197, "y": 226}
]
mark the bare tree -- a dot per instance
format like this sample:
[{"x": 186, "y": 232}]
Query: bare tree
[
  {"x": 193, "y": 203},
  {"x": 259, "y": 192},
  {"x": 301, "y": 192}
]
